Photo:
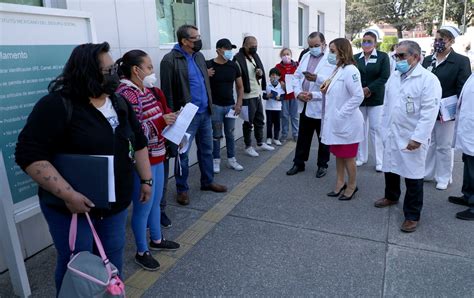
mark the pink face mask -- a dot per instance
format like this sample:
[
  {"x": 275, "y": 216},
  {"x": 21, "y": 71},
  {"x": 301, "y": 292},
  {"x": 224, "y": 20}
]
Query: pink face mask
[{"x": 286, "y": 59}]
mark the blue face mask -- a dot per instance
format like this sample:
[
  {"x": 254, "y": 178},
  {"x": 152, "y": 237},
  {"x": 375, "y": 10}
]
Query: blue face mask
[
  {"x": 402, "y": 66},
  {"x": 228, "y": 55},
  {"x": 315, "y": 51},
  {"x": 332, "y": 58}
]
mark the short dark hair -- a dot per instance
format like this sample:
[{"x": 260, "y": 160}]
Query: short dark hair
[
  {"x": 130, "y": 59},
  {"x": 371, "y": 34},
  {"x": 317, "y": 34},
  {"x": 274, "y": 71},
  {"x": 82, "y": 76},
  {"x": 183, "y": 32},
  {"x": 445, "y": 34}
]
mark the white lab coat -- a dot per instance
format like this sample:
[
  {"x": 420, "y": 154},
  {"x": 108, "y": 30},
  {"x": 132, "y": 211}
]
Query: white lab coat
[
  {"x": 343, "y": 122},
  {"x": 464, "y": 136},
  {"x": 410, "y": 111},
  {"x": 323, "y": 71}
]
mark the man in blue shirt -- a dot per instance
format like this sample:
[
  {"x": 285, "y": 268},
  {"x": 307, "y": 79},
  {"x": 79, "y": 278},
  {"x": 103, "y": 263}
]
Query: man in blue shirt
[{"x": 184, "y": 79}]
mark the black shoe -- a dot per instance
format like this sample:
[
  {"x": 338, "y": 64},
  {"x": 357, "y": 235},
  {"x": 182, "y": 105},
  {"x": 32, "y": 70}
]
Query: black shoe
[
  {"x": 458, "y": 200},
  {"x": 164, "y": 245},
  {"x": 147, "y": 261},
  {"x": 165, "y": 221},
  {"x": 465, "y": 215},
  {"x": 321, "y": 172},
  {"x": 336, "y": 194},
  {"x": 345, "y": 198},
  {"x": 294, "y": 170}
]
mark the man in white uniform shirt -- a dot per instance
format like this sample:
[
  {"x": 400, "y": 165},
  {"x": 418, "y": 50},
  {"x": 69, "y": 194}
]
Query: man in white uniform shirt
[{"x": 410, "y": 111}]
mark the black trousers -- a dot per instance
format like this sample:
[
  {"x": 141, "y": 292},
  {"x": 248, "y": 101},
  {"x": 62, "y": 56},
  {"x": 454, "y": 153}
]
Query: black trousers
[
  {"x": 413, "y": 197},
  {"x": 256, "y": 119},
  {"x": 468, "y": 179},
  {"x": 273, "y": 124},
  {"x": 306, "y": 130}
]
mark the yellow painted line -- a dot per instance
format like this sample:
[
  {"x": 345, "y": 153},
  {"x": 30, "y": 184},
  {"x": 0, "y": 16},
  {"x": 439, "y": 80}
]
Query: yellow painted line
[{"x": 142, "y": 280}]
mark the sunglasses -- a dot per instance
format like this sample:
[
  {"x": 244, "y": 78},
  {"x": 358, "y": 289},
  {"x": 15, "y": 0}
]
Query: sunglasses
[{"x": 401, "y": 56}]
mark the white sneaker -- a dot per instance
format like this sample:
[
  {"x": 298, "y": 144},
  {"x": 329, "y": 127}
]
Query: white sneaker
[
  {"x": 359, "y": 163},
  {"x": 265, "y": 147},
  {"x": 277, "y": 142},
  {"x": 251, "y": 152},
  {"x": 217, "y": 165},
  {"x": 441, "y": 186},
  {"x": 269, "y": 141},
  {"x": 233, "y": 164},
  {"x": 378, "y": 168}
]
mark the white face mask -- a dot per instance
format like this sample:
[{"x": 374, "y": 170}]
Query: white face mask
[{"x": 149, "y": 81}]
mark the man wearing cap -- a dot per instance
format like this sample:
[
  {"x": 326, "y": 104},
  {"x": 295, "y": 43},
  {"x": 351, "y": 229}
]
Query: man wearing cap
[
  {"x": 184, "y": 79},
  {"x": 224, "y": 73},
  {"x": 452, "y": 70},
  {"x": 253, "y": 79}
]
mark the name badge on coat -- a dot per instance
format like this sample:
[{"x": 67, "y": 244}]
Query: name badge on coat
[
  {"x": 372, "y": 60},
  {"x": 410, "y": 105}
]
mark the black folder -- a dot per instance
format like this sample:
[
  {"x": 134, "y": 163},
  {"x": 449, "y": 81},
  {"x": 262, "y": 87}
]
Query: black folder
[{"x": 86, "y": 174}]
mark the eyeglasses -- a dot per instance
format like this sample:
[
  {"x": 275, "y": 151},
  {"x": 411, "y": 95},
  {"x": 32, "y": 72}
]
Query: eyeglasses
[
  {"x": 400, "y": 56},
  {"x": 110, "y": 70}
]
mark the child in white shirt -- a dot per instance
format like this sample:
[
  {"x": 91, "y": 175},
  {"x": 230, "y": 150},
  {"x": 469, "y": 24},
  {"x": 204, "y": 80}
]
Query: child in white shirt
[{"x": 273, "y": 97}]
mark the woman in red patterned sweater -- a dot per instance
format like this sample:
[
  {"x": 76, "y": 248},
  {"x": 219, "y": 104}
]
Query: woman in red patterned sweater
[
  {"x": 136, "y": 86},
  {"x": 289, "y": 109}
]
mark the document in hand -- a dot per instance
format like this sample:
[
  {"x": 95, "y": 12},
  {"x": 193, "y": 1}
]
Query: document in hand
[
  {"x": 88, "y": 175},
  {"x": 175, "y": 132},
  {"x": 244, "y": 113},
  {"x": 231, "y": 114},
  {"x": 448, "y": 108},
  {"x": 289, "y": 81}
]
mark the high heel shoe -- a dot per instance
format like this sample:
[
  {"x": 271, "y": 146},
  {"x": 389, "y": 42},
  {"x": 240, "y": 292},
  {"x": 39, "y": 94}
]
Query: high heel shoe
[
  {"x": 346, "y": 198},
  {"x": 336, "y": 194}
]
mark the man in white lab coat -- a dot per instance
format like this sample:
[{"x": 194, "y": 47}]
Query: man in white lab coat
[
  {"x": 313, "y": 70},
  {"x": 411, "y": 107},
  {"x": 464, "y": 140}
]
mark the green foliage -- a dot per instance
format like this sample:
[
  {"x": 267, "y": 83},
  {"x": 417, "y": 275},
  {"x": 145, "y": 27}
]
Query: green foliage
[
  {"x": 388, "y": 42},
  {"x": 357, "y": 43}
]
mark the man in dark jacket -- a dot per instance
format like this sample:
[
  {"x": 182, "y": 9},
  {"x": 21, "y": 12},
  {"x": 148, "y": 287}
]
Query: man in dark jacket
[
  {"x": 253, "y": 78},
  {"x": 184, "y": 79}
]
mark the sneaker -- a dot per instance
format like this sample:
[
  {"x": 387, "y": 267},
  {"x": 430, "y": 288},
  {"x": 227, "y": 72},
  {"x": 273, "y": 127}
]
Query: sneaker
[
  {"x": 251, "y": 152},
  {"x": 359, "y": 163},
  {"x": 378, "y": 168},
  {"x": 269, "y": 141},
  {"x": 266, "y": 147},
  {"x": 165, "y": 221},
  {"x": 277, "y": 142},
  {"x": 164, "y": 245},
  {"x": 441, "y": 186},
  {"x": 147, "y": 261},
  {"x": 217, "y": 165},
  {"x": 233, "y": 164}
]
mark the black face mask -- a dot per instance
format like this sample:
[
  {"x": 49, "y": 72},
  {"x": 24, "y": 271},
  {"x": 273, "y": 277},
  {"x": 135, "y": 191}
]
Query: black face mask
[
  {"x": 197, "y": 46},
  {"x": 253, "y": 51},
  {"x": 111, "y": 83},
  {"x": 439, "y": 46}
]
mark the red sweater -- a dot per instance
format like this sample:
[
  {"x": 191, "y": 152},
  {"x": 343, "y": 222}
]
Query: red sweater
[
  {"x": 150, "y": 111},
  {"x": 287, "y": 69}
]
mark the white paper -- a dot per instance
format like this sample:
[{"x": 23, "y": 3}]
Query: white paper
[
  {"x": 175, "y": 132},
  {"x": 289, "y": 81},
  {"x": 244, "y": 113},
  {"x": 448, "y": 107},
  {"x": 231, "y": 114},
  {"x": 111, "y": 177},
  {"x": 185, "y": 143}
]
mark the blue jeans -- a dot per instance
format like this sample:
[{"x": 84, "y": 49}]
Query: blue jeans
[
  {"x": 289, "y": 113},
  {"x": 218, "y": 120},
  {"x": 148, "y": 213},
  {"x": 111, "y": 231},
  {"x": 201, "y": 129}
]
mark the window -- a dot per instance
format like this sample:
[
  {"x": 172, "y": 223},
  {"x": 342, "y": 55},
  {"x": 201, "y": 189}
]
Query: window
[
  {"x": 24, "y": 2},
  {"x": 171, "y": 14},
  {"x": 277, "y": 34},
  {"x": 300, "y": 27},
  {"x": 321, "y": 22}
]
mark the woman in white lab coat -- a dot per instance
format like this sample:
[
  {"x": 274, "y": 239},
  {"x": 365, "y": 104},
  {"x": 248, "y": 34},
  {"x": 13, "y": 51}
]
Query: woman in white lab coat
[{"x": 342, "y": 120}]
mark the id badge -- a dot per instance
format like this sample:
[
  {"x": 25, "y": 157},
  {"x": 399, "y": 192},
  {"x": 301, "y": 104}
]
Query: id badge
[{"x": 410, "y": 107}]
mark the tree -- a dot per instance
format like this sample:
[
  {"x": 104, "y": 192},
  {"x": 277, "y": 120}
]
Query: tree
[
  {"x": 401, "y": 14},
  {"x": 357, "y": 18},
  {"x": 432, "y": 14},
  {"x": 455, "y": 11}
]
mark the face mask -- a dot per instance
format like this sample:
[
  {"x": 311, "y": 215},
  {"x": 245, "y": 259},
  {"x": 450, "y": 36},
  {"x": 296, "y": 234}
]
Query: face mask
[
  {"x": 274, "y": 81},
  {"x": 332, "y": 58},
  {"x": 286, "y": 59},
  {"x": 149, "y": 80},
  {"x": 402, "y": 66},
  {"x": 228, "y": 55},
  {"x": 253, "y": 51},
  {"x": 110, "y": 84},
  {"x": 367, "y": 44},
  {"x": 315, "y": 51},
  {"x": 439, "y": 46},
  {"x": 197, "y": 46}
]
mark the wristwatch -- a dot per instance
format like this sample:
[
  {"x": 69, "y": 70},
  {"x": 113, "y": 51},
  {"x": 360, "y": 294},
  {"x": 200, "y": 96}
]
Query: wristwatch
[{"x": 146, "y": 181}]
